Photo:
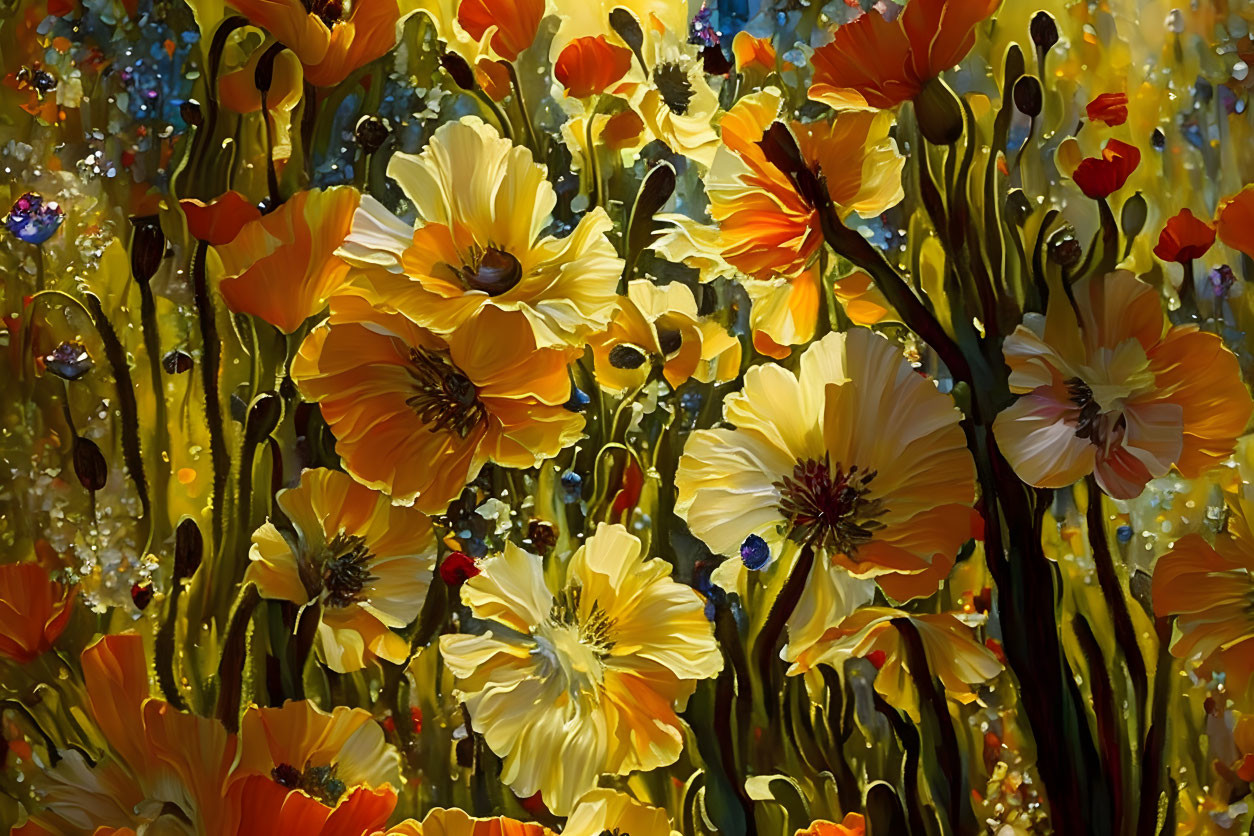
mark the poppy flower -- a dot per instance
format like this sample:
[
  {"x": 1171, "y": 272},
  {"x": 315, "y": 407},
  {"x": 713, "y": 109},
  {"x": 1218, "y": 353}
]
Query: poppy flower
[
  {"x": 1111, "y": 108},
  {"x": 1100, "y": 177},
  {"x": 588, "y": 66},
  {"x": 755, "y": 54},
  {"x": 873, "y": 62},
  {"x": 1185, "y": 238},
  {"x": 366, "y": 561},
  {"x": 767, "y": 227},
  {"x": 515, "y": 23},
  {"x": 331, "y": 38},
  {"x": 282, "y": 267},
  {"x": 399, "y": 398},
  {"x": 857, "y": 456},
  {"x": 1110, "y": 388},
  {"x": 457, "y": 822},
  {"x": 221, "y": 219},
  {"x": 1235, "y": 221},
  {"x": 267, "y": 806},
  {"x": 853, "y": 824},
  {"x": 1208, "y": 588},
  {"x": 954, "y": 655},
  {"x": 34, "y": 610},
  {"x": 479, "y": 242},
  {"x": 592, "y": 670}
]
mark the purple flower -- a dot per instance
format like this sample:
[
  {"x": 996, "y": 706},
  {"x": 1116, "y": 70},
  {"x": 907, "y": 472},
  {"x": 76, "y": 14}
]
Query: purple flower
[
  {"x": 32, "y": 220},
  {"x": 754, "y": 552}
]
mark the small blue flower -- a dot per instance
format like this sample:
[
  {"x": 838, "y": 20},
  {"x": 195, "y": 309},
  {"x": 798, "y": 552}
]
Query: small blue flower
[
  {"x": 1124, "y": 533},
  {"x": 754, "y": 552},
  {"x": 578, "y": 400},
  {"x": 572, "y": 486},
  {"x": 33, "y": 221}
]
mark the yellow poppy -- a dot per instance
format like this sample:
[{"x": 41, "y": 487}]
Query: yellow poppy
[
  {"x": 857, "y": 456},
  {"x": 455, "y": 822},
  {"x": 416, "y": 415},
  {"x": 366, "y": 561},
  {"x": 480, "y": 243},
  {"x": 1110, "y": 388},
  {"x": 590, "y": 675}
]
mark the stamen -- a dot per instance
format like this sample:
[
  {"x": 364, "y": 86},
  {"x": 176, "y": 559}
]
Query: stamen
[
  {"x": 828, "y": 508},
  {"x": 446, "y": 399},
  {"x": 672, "y": 82},
  {"x": 346, "y": 572}
]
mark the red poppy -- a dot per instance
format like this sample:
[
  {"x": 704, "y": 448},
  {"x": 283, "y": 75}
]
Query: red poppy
[
  {"x": 1184, "y": 238},
  {"x": 1102, "y": 177},
  {"x": 458, "y": 567},
  {"x": 1111, "y": 108},
  {"x": 516, "y": 22},
  {"x": 221, "y": 219},
  {"x": 590, "y": 65},
  {"x": 1235, "y": 221},
  {"x": 877, "y": 63}
]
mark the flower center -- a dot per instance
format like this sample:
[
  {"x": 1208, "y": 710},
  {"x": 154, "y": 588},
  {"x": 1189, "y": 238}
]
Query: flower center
[
  {"x": 346, "y": 572},
  {"x": 829, "y": 508},
  {"x": 672, "y": 82},
  {"x": 446, "y": 399},
  {"x": 319, "y": 782},
  {"x": 1092, "y": 424},
  {"x": 576, "y": 646},
  {"x": 330, "y": 12},
  {"x": 494, "y": 272}
]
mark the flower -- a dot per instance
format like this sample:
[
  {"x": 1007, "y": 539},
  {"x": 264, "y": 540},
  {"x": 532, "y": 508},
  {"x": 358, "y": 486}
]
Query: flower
[
  {"x": 767, "y": 227},
  {"x": 591, "y": 674},
  {"x": 367, "y": 562},
  {"x": 330, "y": 37},
  {"x": 1184, "y": 238},
  {"x": 268, "y": 807},
  {"x": 456, "y": 822},
  {"x": 167, "y": 772},
  {"x": 416, "y": 415},
  {"x": 755, "y": 54},
  {"x": 588, "y": 66},
  {"x": 34, "y": 610},
  {"x": 282, "y": 267},
  {"x": 221, "y": 219},
  {"x": 953, "y": 654},
  {"x": 1208, "y": 589},
  {"x": 33, "y": 220},
  {"x": 1111, "y": 108},
  {"x": 1116, "y": 392},
  {"x": 514, "y": 23},
  {"x": 300, "y": 746},
  {"x": 872, "y": 62},
  {"x": 1101, "y": 177},
  {"x": 479, "y": 241},
  {"x": 660, "y": 325},
  {"x": 1234, "y": 221},
  {"x": 607, "y": 811},
  {"x": 857, "y": 456},
  {"x": 853, "y": 824}
]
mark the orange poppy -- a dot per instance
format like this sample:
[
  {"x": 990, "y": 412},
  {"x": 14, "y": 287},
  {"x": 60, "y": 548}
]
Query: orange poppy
[
  {"x": 852, "y": 825},
  {"x": 1208, "y": 589},
  {"x": 1101, "y": 177},
  {"x": 330, "y": 37},
  {"x": 267, "y": 807},
  {"x": 873, "y": 62},
  {"x": 515, "y": 22},
  {"x": 1109, "y": 388},
  {"x": 221, "y": 219},
  {"x": 282, "y": 267},
  {"x": 1185, "y": 238},
  {"x": 588, "y": 66},
  {"x": 1235, "y": 221},
  {"x": 34, "y": 610},
  {"x": 455, "y": 822},
  {"x": 1111, "y": 108},
  {"x": 417, "y": 416}
]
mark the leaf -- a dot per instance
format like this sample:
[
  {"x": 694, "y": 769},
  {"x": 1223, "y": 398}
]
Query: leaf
[
  {"x": 657, "y": 188},
  {"x": 628, "y": 28}
]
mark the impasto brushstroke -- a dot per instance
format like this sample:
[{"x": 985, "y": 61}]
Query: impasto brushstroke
[{"x": 626, "y": 417}]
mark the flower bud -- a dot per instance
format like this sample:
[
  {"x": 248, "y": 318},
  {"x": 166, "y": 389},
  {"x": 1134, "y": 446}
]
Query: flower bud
[
  {"x": 939, "y": 113},
  {"x": 147, "y": 247},
  {"x": 89, "y": 464},
  {"x": 1044, "y": 30},
  {"x": 1028, "y": 96}
]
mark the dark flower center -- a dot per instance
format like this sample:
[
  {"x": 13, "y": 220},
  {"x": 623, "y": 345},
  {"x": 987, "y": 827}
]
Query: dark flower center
[
  {"x": 446, "y": 399},
  {"x": 1091, "y": 424},
  {"x": 626, "y": 356},
  {"x": 495, "y": 272},
  {"x": 346, "y": 572},
  {"x": 829, "y": 508},
  {"x": 672, "y": 82},
  {"x": 320, "y": 782},
  {"x": 329, "y": 12}
]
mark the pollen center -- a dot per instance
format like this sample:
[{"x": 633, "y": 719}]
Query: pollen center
[
  {"x": 445, "y": 398},
  {"x": 672, "y": 82},
  {"x": 345, "y": 572},
  {"x": 830, "y": 508},
  {"x": 494, "y": 272},
  {"x": 1093, "y": 424}
]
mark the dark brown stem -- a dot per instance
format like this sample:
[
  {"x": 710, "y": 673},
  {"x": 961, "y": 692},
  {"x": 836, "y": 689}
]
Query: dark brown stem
[
  {"x": 781, "y": 610},
  {"x": 1152, "y": 767},
  {"x": 234, "y": 657}
]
